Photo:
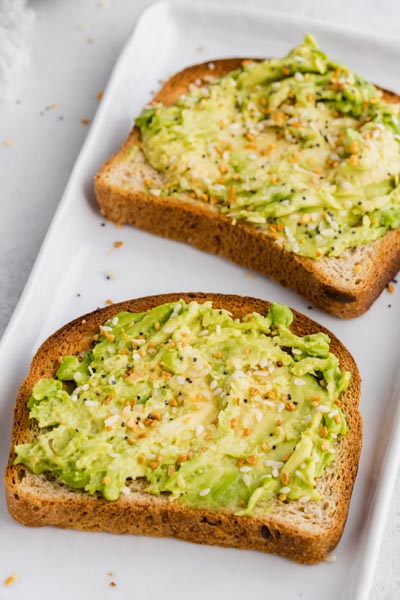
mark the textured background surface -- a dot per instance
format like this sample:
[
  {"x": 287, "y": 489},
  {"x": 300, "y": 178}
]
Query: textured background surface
[{"x": 73, "y": 46}]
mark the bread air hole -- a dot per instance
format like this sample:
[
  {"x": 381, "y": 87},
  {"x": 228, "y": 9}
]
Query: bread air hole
[
  {"x": 265, "y": 532},
  {"x": 213, "y": 522},
  {"x": 21, "y": 474}
]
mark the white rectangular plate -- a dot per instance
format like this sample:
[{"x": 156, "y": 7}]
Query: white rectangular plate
[{"x": 78, "y": 269}]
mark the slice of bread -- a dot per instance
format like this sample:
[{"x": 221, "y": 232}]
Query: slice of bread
[
  {"x": 305, "y": 532},
  {"x": 345, "y": 286}
]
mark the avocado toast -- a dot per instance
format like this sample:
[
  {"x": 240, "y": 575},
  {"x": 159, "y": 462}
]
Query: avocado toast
[
  {"x": 290, "y": 167},
  {"x": 205, "y": 417}
]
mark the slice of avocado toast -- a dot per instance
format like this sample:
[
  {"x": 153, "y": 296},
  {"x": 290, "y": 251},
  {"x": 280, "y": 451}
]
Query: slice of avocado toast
[
  {"x": 281, "y": 165},
  {"x": 204, "y": 407}
]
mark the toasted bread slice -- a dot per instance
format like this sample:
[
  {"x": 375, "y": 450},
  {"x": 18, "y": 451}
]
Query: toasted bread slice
[
  {"x": 345, "y": 286},
  {"x": 305, "y": 532}
]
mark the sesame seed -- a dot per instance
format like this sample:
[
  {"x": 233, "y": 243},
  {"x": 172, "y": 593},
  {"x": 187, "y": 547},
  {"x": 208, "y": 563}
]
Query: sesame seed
[
  {"x": 245, "y": 469},
  {"x": 298, "y": 381},
  {"x": 284, "y": 490},
  {"x": 199, "y": 429},
  {"x": 204, "y": 492},
  {"x": 246, "y": 480},
  {"x": 304, "y": 499}
]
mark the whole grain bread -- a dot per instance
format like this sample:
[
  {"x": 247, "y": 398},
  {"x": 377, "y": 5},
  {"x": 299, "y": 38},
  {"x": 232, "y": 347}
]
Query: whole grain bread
[
  {"x": 345, "y": 286},
  {"x": 305, "y": 532}
]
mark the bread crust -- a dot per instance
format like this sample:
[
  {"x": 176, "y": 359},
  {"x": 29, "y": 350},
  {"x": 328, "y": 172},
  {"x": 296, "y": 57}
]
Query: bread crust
[
  {"x": 288, "y": 529},
  {"x": 330, "y": 283}
]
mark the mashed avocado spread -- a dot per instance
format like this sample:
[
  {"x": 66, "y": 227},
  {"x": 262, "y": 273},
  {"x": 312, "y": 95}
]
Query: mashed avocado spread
[
  {"x": 301, "y": 148},
  {"x": 215, "y": 411}
]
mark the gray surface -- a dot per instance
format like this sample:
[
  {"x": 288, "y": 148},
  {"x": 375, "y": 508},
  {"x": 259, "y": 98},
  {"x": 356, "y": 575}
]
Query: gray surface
[{"x": 68, "y": 70}]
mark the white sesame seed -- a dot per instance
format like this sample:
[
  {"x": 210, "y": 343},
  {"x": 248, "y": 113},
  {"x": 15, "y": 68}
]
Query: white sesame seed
[
  {"x": 269, "y": 403},
  {"x": 296, "y": 351},
  {"x": 204, "y": 492},
  {"x": 115, "y": 321},
  {"x": 284, "y": 490},
  {"x": 111, "y": 420},
  {"x": 180, "y": 481},
  {"x": 180, "y": 380},
  {"x": 277, "y": 464},
  {"x": 168, "y": 329},
  {"x": 275, "y": 473},
  {"x": 74, "y": 397},
  {"x": 331, "y": 558},
  {"x": 106, "y": 328},
  {"x": 333, "y": 414},
  {"x": 261, "y": 373},
  {"x": 245, "y": 469},
  {"x": 323, "y": 409},
  {"x": 281, "y": 406},
  {"x": 304, "y": 499},
  {"x": 136, "y": 356},
  {"x": 126, "y": 490},
  {"x": 271, "y": 368},
  {"x": 85, "y": 387},
  {"x": 199, "y": 429},
  {"x": 263, "y": 363},
  {"x": 298, "y": 381},
  {"x": 246, "y": 480},
  {"x": 218, "y": 329},
  {"x": 91, "y": 403},
  {"x": 259, "y": 416},
  {"x": 78, "y": 376},
  {"x": 346, "y": 185},
  {"x": 213, "y": 384},
  {"x": 204, "y": 332}
]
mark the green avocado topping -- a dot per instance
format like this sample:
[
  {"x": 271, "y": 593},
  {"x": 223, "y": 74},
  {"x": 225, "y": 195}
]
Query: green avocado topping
[
  {"x": 215, "y": 411},
  {"x": 300, "y": 148}
]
